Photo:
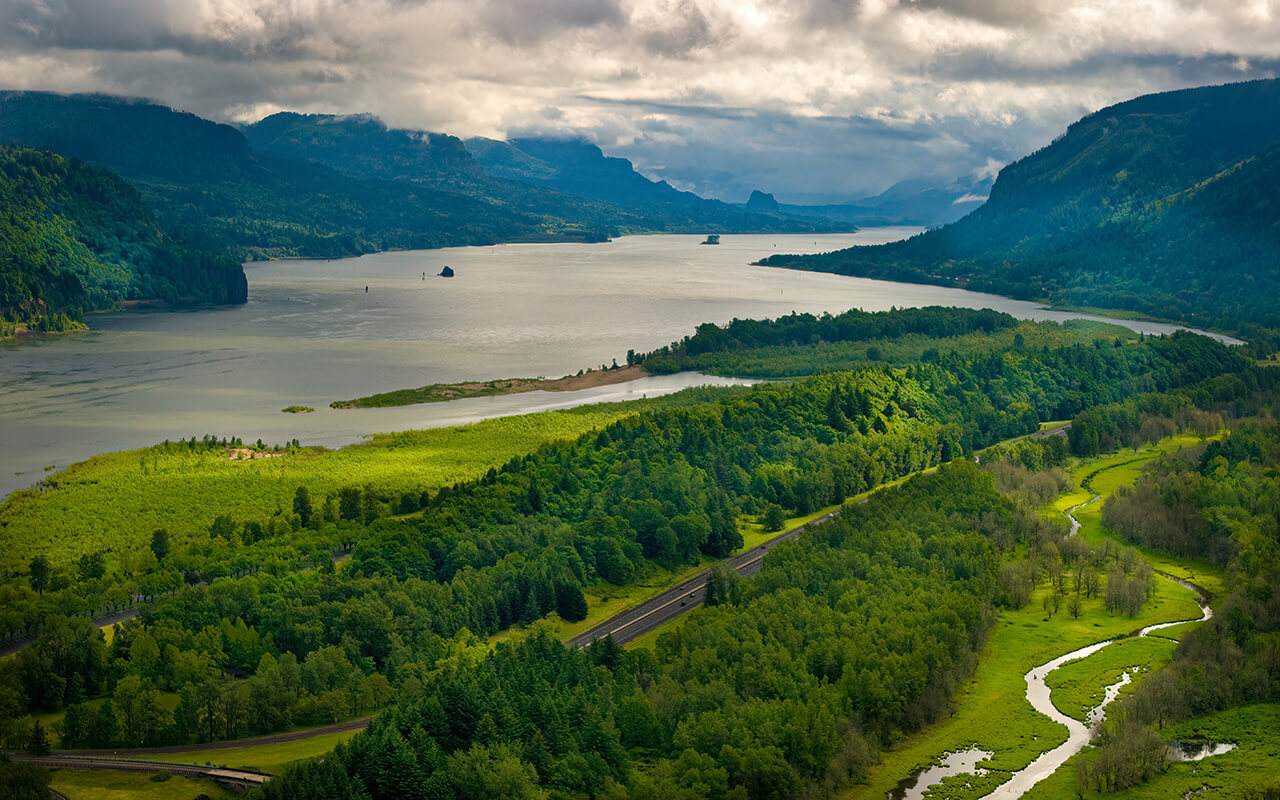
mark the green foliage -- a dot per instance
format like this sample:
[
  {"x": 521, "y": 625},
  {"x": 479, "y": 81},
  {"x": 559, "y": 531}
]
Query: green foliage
[
  {"x": 22, "y": 781},
  {"x": 76, "y": 239},
  {"x": 796, "y": 335},
  {"x": 1163, "y": 205},
  {"x": 703, "y": 715}
]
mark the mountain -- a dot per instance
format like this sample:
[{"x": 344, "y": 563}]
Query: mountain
[
  {"x": 74, "y": 239},
  {"x": 1165, "y": 204},
  {"x": 205, "y": 181},
  {"x": 578, "y": 167},
  {"x": 908, "y": 202},
  {"x": 362, "y": 146}
]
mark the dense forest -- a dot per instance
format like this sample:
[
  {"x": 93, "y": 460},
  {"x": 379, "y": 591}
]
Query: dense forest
[
  {"x": 279, "y": 637},
  {"x": 852, "y": 634},
  {"x": 75, "y": 239},
  {"x": 699, "y": 351},
  {"x": 1164, "y": 204}
]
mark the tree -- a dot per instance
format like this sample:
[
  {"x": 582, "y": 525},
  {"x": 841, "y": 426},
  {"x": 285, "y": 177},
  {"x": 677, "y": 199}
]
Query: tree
[
  {"x": 19, "y": 781},
  {"x": 349, "y": 502},
  {"x": 160, "y": 544},
  {"x": 92, "y": 566},
  {"x": 302, "y": 504},
  {"x": 774, "y": 518},
  {"x": 222, "y": 526},
  {"x": 38, "y": 742},
  {"x": 1074, "y": 606},
  {"x": 40, "y": 570}
]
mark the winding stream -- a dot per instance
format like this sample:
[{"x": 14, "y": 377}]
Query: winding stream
[{"x": 1078, "y": 732}]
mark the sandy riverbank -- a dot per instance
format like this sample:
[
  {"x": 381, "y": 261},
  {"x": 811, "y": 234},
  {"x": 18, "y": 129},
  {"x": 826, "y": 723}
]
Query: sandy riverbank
[{"x": 441, "y": 392}]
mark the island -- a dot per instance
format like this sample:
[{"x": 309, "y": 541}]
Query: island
[
  {"x": 447, "y": 272},
  {"x": 712, "y": 238}
]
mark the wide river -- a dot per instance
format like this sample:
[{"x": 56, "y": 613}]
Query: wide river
[{"x": 311, "y": 334}]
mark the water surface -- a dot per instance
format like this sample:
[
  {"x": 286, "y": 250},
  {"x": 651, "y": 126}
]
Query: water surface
[{"x": 311, "y": 334}]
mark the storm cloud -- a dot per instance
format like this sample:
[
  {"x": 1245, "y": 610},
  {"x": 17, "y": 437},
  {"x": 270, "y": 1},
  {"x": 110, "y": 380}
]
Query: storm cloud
[{"x": 814, "y": 100}]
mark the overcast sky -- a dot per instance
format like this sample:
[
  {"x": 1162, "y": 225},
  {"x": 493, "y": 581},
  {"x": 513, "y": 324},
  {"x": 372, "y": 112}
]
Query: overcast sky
[{"x": 812, "y": 100}]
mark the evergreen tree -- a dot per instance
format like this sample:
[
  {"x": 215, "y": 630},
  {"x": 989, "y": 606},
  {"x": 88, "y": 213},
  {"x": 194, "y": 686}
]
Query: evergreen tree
[
  {"x": 160, "y": 544},
  {"x": 302, "y": 504},
  {"x": 38, "y": 742},
  {"x": 40, "y": 570}
]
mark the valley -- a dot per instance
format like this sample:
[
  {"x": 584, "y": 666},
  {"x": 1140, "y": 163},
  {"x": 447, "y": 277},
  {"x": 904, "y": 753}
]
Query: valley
[{"x": 374, "y": 462}]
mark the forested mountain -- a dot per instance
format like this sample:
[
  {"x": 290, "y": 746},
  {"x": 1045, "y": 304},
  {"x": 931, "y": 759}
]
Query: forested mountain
[
  {"x": 591, "y": 192},
  {"x": 579, "y": 167},
  {"x": 204, "y": 181},
  {"x": 362, "y": 146},
  {"x": 1165, "y": 204},
  {"x": 74, "y": 239},
  {"x": 325, "y": 186}
]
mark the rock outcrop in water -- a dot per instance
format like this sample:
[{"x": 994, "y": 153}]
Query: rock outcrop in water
[{"x": 447, "y": 272}]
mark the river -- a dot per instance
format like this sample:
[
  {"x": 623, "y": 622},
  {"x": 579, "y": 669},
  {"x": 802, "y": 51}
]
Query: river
[
  {"x": 311, "y": 334},
  {"x": 1078, "y": 733}
]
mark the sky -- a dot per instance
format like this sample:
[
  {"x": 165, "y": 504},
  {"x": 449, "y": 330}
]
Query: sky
[{"x": 813, "y": 100}]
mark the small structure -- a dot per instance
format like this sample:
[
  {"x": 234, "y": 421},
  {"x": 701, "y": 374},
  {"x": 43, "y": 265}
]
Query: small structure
[
  {"x": 712, "y": 238},
  {"x": 447, "y": 272}
]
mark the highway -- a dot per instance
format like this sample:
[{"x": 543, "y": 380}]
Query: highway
[{"x": 661, "y": 609}]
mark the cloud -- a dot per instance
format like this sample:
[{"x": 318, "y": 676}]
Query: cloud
[{"x": 812, "y": 99}]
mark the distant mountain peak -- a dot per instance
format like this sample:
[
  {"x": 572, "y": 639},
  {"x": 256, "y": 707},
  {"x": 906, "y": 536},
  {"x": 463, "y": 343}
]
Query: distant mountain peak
[{"x": 762, "y": 201}]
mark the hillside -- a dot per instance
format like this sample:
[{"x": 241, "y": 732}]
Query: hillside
[
  {"x": 1163, "y": 205},
  {"x": 573, "y": 182},
  {"x": 578, "y": 167},
  {"x": 204, "y": 180},
  {"x": 76, "y": 239}
]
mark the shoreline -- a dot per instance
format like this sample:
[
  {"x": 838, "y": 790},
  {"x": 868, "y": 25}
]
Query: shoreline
[{"x": 444, "y": 392}]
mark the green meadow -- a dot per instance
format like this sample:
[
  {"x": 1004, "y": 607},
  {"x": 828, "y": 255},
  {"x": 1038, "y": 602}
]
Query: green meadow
[
  {"x": 991, "y": 711},
  {"x": 115, "y": 501}
]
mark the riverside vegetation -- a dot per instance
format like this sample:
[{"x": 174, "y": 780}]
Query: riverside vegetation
[{"x": 664, "y": 487}]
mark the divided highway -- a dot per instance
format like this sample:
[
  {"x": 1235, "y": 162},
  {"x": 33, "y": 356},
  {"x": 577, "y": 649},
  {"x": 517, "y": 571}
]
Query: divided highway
[{"x": 660, "y": 609}]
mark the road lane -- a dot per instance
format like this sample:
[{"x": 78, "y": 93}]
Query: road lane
[{"x": 660, "y": 609}]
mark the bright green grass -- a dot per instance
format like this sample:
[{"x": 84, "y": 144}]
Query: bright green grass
[
  {"x": 1077, "y": 686},
  {"x": 991, "y": 710},
  {"x": 269, "y": 758},
  {"x": 114, "y": 501},
  {"x": 95, "y": 784},
  {"x": 1253, "y": 765}
]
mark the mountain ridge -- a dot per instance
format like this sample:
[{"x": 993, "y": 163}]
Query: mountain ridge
[{"x": 1103, "y": 215}]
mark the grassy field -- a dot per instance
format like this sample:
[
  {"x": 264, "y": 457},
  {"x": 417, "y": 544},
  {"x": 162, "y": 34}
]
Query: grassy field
[
  {"x": 1077, "y": 687},
  {"x": 1253, "y": 765},
  {"x": 269, "y": 758},
  {"x": 114, "y": 501},
  {"x": 1123, "y": 469},
  {"x": 991, "y": 710},
  {"x": 94, "y": 784}
]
